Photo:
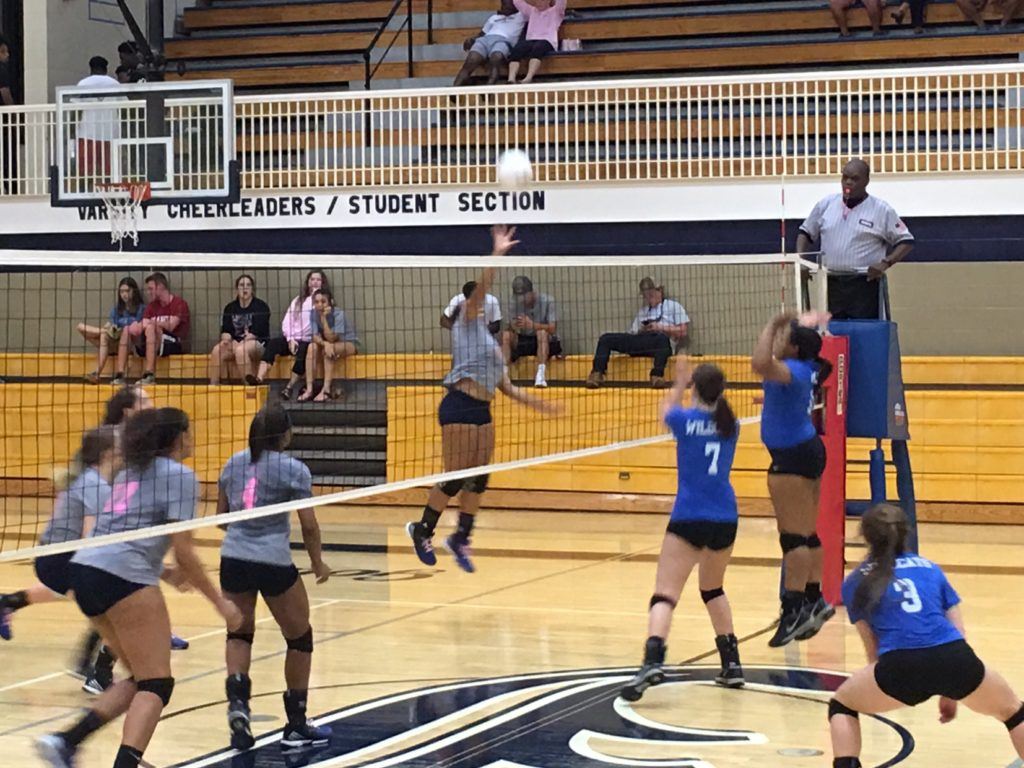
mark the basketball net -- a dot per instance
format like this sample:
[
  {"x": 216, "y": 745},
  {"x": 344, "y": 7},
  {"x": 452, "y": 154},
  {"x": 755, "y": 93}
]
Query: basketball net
[{"x": 124, "y": 204}]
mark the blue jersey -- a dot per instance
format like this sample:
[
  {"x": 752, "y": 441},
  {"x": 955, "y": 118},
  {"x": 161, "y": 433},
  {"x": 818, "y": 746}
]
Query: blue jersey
[
  {"x": 703, "y": 461},
  {"x": 912, "y": 612},
  {"x": 786, "y": 414}
]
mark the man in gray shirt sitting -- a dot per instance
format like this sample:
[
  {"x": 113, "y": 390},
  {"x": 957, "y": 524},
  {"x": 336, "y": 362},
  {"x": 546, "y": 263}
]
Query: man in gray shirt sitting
[
  {"x": 493, "y": 44},
  {"x": 861, "y": 237},
  {"x": 533, "y": 326}
]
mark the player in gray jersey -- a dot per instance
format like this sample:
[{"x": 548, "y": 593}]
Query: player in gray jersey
[
  {"x": 115, "y": 585},
  {"x": 74, "y": 514},
  {"x": 255, "y": 558},
  {"x": 467, "y": 431}
]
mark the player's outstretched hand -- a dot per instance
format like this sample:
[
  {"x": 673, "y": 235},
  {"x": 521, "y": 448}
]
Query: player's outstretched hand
[
  {"x": 947, "y": 709},
  {"x": 814, "y": 319},
  {"x": 504, "y": 239}
]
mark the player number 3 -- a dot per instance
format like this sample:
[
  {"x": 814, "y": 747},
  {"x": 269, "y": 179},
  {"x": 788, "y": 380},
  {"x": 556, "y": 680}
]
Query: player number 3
[{"x": 911, "y": 602}]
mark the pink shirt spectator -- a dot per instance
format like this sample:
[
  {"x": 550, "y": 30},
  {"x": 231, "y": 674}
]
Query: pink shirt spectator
[
  {"x": 295, "y": 323},
  {"x": 542, "y": 24}
]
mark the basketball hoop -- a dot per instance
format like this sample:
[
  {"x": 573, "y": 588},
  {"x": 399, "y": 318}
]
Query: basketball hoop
[{"x": 124, "y": 201}]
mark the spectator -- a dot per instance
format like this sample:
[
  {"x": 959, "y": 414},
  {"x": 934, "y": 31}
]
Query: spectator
[
  {"x": 8, "y": 153},
  {"x": 533, "y": 326},
  {"x": 491, "y": 310},
  {"x": 660, "y": 326},
  {"x": 297, "y": 334},
  {"x": 918, "y": 10},
  {"x": 162, "y": 332},
  {"x": 6, "y": 94},
  {"x": 493, "y": 44},
  {"x": 974, "y": 10},
  {"x": 97, "y": 128},
  {"x": 127, "y": 309},
  {"x": 543, "y": 20},
  {"x": 861, "y": 238},
  {"x": 244, "y": 330},
  {"x": 873, "y": 7},
  {"x": 335, "y": 337}
]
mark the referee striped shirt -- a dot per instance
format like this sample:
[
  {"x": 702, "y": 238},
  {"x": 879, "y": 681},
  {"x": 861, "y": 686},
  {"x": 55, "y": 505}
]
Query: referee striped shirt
[{"x": 852, "y": 239}]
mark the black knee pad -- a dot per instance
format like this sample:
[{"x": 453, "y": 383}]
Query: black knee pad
[
  {"x": 451, "y": 487},
  {"x": 1016, "y": 720},
  {"x": 655, "y": 599},
  {"x": 835, "y": 707},
  {"x": 707, "y": 595},
  {"x": 476, "y": 484},
  {"x": 791, "y": 541},
  {"x": 303, "y": 643},
  {"x": 161, "y": 686},
  {"x": 813, "y": 542},
  {"x": 245, "y": 637}
]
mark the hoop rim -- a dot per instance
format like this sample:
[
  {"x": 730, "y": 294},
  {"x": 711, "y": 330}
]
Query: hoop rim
[{"x": 137, "y": 191}]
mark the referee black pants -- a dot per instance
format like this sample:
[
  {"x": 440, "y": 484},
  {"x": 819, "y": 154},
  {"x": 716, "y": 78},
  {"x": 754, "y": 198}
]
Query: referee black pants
[
  {"x": 656, "y": 345},
  {"x": 853, "y": 297}
]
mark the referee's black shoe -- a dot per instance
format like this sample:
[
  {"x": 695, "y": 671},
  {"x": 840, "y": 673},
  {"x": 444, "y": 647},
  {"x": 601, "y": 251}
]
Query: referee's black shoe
[
  {"x": 649, "y": 674},
  {"x": 792, "y": 624},
  {"x": 820, "y": 612}
]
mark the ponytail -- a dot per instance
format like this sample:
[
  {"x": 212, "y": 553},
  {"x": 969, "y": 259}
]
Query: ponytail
[
  {"x": 709, "y": 384},
  {"x": 267, "y": 431},
  {"x": 884, "y": 528},
  {"x": 824, "y": 371},
  {"x": 725, "y": 419}
]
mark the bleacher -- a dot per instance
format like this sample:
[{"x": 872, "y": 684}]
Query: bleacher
[{"x": 315, "y": 44}]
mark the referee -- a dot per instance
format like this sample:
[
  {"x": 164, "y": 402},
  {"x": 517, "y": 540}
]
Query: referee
[{"x": 861, "y": 237}]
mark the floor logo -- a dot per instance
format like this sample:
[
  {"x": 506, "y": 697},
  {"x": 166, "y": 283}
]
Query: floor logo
[{"x": 554, "y": 720}]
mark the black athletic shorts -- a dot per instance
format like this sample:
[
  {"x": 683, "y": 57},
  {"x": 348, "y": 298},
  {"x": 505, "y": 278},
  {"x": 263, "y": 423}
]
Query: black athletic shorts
[
  {"x": 54, "y": 572},
  {"x": 168, "y": 346},
  {"x": 97, "y": 591},
  {"x": 704, "y": 534},
  {"x": 806, "y": 459},
  {"x": 243, "y": 576},
  {"x": 459, "y": 408},
  {"x": 526, "y": 346},
  {"x": 914, "y": 676}
]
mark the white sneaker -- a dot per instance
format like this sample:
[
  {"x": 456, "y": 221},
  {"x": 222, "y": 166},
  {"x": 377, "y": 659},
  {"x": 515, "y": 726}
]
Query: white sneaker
[{"x": 539, "y": 380}]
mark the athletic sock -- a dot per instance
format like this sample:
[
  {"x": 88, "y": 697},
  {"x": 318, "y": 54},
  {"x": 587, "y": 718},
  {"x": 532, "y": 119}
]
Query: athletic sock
[
  {"x": 80, "y": 731},
  {"x": 429, "y": 519},
  {"x": 14, "y": 601},
  {"x": 813, "y": 591},
  {"x": 295, "y": 706},
  {"x": 654, "y": 650},
  {"x": 465, "y": 528},
  {"x": 127, "y": 757},
  {"x": 791, "y": 601},
  {"x": 846, "y": 762}
]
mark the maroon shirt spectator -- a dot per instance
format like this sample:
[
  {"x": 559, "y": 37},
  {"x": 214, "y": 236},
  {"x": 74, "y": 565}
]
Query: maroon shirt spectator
[{"x": 163, "y": 330}]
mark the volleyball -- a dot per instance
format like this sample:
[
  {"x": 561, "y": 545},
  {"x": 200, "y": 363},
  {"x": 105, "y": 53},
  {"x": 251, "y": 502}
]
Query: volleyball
[{"x": 514, "y": 169}]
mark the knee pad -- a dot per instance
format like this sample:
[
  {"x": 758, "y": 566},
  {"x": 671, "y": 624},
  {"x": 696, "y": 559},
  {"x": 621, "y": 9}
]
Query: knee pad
[
  {"x": 476, "y": 484},
  {"x": 451, "y": 487},
  {"x": 655, "y": 599},
  {"x": 707, "y": 595},
  {"x": 245, "y": 637},
  {"x": 791, "y": 541},
  {"x": 837, "y": 708},
  {"x": 161, "y": 686},
  {"x": 303, "y": 643},
  {"x": 813, "y": 542},
  {"x": 1016, "y": 720}
]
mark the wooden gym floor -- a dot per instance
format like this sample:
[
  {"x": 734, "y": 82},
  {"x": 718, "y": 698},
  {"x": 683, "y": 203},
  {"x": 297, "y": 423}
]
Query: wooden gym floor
[{"x": 517, "y": 665}]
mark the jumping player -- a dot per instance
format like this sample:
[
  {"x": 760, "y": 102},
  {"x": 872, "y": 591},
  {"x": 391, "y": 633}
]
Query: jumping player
[
  {"x": 467, "y": 431},
  {"x": 256, "y": 559},
  {"x": 909, "y": 619},
  {"x": 702, "y": 528},
  {"x": 787, "y": 356}
]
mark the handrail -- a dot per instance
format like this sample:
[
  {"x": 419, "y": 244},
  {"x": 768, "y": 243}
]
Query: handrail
[{"x": 368, "y": 51}]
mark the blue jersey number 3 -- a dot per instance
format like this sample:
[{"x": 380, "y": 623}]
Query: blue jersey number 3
[{"x": 911, "y": 602}]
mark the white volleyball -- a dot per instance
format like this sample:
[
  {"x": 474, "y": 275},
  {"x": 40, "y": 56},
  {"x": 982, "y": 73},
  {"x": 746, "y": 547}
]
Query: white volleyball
[{"x": 514, "y": 169}]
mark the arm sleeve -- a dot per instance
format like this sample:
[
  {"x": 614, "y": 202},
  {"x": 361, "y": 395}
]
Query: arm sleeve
[
  {"x": 261, "y": 322},
  {"x": 560, "y": 7},
  {"x": 182, "y": 493},
  {"x": 301, "y": 481},
  {"x": 523, "y": 7},
  {"x": 348, "y": 328},
  {"x": 492, "y": 309},
  {"x": 675, "y": 420},
  {"x": 449, "y": 311},
  {"x": 895, "y": 230},
  {"x": 812, "y": 224},
  {"x": 149, "y": 311},
  {"x": 676, "y": 315},
  {"x": 226, "y": 324},
  {"x": 949, "y": 595},
  {"x": 552, "y": 312}
]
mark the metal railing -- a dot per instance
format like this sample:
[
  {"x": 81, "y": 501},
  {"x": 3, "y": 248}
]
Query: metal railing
[{"x": 926, "y": 120}]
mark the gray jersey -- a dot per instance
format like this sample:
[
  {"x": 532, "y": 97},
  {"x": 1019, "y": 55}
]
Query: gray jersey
[
  {"x": 85, "y": 497},
  {"x": 852, "y": 239},
  {"x": 475, "y": 354},
  {"x": 543, "y": 311},
  {"x": 164, "y": 492},
  {"x": 275, "y": 478}
]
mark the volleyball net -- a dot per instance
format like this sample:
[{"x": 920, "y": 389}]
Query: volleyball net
[{"x": 375, "y": 431}]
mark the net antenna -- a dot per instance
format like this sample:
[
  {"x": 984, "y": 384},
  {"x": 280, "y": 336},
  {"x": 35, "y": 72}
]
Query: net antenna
[{"x": 123, "y": 201}]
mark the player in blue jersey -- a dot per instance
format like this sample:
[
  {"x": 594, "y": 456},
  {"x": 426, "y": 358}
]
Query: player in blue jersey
[
  {"x": 909, "y": 618},
  {"x": 702, "y": 528},
  {"x": 787, "y": 356}
]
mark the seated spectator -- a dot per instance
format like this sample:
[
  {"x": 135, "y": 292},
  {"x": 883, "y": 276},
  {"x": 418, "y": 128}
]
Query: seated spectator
[
  {"x": 130, "y": 61},
  {"x": 659, "y": 328},
  {"x": 974, "y": 10},
  {"x": 162, "y": 332},
  {"x": 334, "y": 337},
  {"x": 543, "y": 20},
  {"x": 493, "y": 44},
  {"x": 918, "y": 10},
  {"x": 127, "y": 310},
  {"x": 244, "y": 330},
  {"x": 297, "y": 333},
  {"x": 873, "y": 7},
  {"x": 492, "y": 309},
  {"x": 533, "y": 326}
]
